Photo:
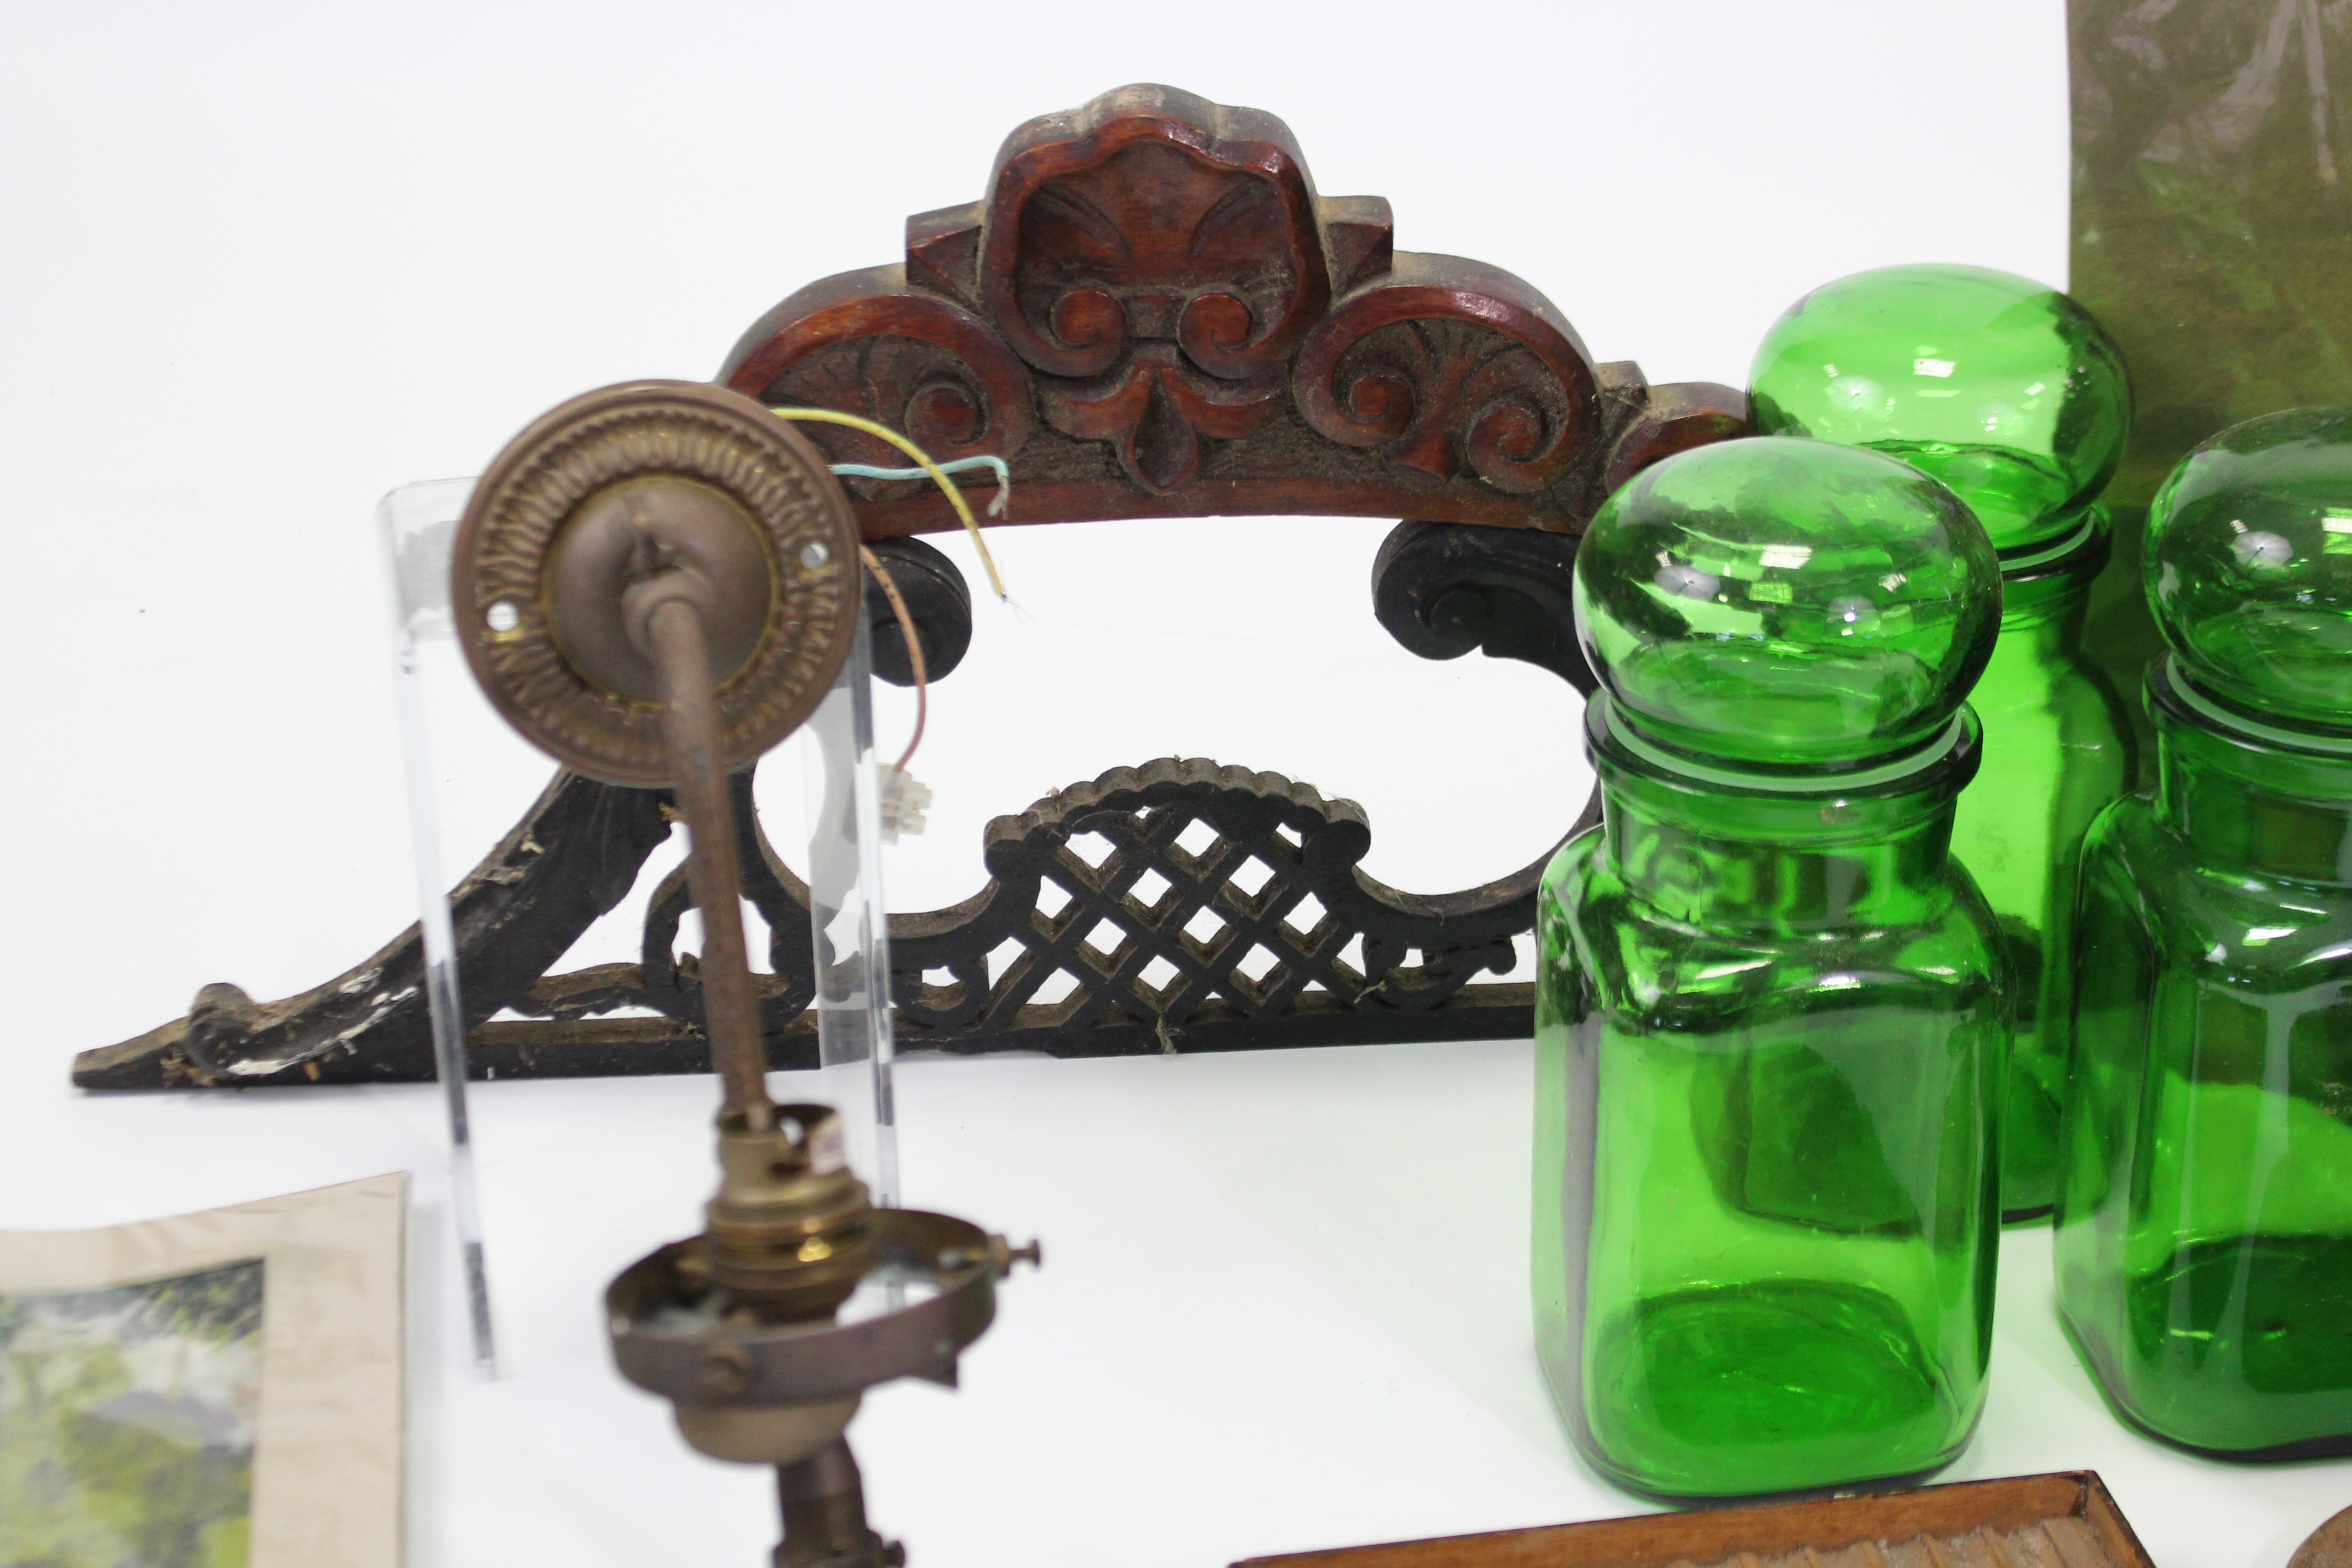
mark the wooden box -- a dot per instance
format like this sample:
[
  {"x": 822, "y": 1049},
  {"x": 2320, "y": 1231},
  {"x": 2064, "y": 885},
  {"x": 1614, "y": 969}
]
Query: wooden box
[{"x": 2063, "y": 1520}]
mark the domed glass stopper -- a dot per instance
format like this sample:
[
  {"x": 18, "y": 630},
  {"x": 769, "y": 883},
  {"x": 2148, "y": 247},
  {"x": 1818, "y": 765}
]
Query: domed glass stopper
[
  {"x": 2250, "y": 566},
  {"x": 2005, "y": 389},
  {"x": 1786, "y": 603}
]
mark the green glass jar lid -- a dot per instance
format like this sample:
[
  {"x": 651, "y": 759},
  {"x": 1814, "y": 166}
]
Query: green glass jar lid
[
  {"x": 2249, "y": 568},
  {"x": 2001, "y": 387},
  {"x": 1787, "y": 604}
]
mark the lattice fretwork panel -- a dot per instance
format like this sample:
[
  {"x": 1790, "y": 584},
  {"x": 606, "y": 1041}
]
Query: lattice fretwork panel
[{"x": 1183, "y": 895}]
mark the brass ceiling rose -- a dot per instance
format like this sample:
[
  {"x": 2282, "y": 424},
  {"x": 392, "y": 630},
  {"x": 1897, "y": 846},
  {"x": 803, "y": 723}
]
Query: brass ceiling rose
[{"x": 654, "y": 475}]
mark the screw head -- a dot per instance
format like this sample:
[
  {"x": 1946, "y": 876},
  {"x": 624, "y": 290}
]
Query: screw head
[
  {"x": 1005, "y": 1254},
  {"x": 726, "y": 1369}
]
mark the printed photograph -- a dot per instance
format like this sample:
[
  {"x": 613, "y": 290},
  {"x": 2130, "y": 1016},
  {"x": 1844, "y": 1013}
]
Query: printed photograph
[{"x": 127, "y": 1421}]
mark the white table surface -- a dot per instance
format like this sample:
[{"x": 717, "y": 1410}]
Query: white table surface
[{"x": 260, "y": 263}]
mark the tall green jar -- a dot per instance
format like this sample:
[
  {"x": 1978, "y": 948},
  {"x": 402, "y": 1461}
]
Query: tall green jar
[
  {"x": 2060, "y": 749},
  {"x": 1770, "y": 1006},
  {"x": 2003, "y": 388},
  {"x": 2204, "y": 1231},
  {"x": 2016, "y": 398}
]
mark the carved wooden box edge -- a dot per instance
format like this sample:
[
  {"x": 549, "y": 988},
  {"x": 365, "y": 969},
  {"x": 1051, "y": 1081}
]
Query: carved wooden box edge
[{"x": 2063, "y": 1520}]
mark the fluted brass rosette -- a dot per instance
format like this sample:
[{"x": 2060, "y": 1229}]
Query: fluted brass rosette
[{"x": 654, "y": 473}]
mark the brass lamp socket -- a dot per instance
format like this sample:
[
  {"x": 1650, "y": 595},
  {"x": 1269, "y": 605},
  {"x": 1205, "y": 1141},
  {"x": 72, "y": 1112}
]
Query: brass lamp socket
[{"x": 791, "y": 1232}]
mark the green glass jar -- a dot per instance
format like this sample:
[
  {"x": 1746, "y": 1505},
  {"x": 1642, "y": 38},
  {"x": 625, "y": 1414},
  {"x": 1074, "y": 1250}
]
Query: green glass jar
[
  {"x": 2061, "y": 750},
  {"x": 2016, "y": 398},
  {"x": 2003, "y": 388},
  {"x": 1770, "y": 1006},
  {"x": 2204, "y": 1231}
]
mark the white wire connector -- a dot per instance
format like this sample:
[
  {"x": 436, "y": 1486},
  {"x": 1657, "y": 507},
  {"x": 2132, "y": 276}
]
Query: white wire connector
[{"x": 905, "y": 798}]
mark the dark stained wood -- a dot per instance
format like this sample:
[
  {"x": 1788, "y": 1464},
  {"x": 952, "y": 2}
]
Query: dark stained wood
[
  {"x": 1153, "y": 314},
  {"x": 2062, "y": 1521},
  {"x": 1675, "y": 420}
]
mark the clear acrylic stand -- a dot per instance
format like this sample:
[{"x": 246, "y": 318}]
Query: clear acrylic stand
[
  {"x": 418, "y": 523},
  {"x": 849, "y": 924},
  {"x": 470, "y": 777}
]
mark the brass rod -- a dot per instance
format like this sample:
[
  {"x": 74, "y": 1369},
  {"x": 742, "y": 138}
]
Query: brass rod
[{"x": 691, "y": 731}]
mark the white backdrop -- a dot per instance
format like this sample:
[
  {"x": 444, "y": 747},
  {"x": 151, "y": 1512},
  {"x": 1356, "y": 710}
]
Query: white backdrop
[{"x": 260, "y": 263}]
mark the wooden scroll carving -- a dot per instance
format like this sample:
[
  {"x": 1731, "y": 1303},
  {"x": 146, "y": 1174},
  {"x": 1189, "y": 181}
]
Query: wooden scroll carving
[{"x": 1153, "y": 314}]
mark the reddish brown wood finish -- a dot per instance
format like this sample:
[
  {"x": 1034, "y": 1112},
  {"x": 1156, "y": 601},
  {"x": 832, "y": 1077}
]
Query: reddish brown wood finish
[
  {"x": 1154, "y": 315},
  {"x": 2062, "y": 1520}
]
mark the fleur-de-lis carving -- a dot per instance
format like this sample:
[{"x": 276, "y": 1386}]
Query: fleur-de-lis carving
[
  {"x": 1158, "y": 257},
  {"x": 1153, "y": 313},
  {"x": 1158, "y": 409}
]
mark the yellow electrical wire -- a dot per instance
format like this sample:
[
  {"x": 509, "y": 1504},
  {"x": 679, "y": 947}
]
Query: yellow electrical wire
[{"x": 955, "y": 496}]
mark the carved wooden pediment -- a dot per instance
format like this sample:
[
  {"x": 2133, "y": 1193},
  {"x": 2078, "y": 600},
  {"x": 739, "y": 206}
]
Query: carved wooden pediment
[{"x": 1153, "y": 314}]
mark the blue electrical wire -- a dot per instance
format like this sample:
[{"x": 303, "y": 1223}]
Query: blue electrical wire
[{"x": 961, "y": 465}]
